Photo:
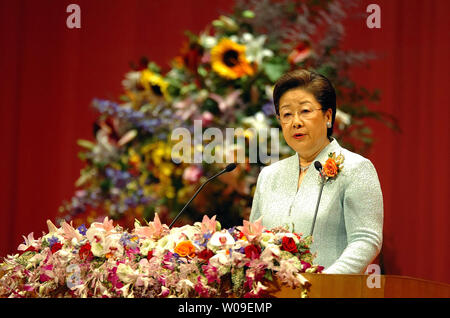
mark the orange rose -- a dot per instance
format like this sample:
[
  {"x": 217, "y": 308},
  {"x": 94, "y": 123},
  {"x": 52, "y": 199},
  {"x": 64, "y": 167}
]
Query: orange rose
[
  {"x": 185, "y": 248},
  {"x": 330, "y": 168}
]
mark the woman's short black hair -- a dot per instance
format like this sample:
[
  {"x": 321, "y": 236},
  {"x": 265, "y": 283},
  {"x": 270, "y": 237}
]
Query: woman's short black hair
[{"x": 316, "y": 84}]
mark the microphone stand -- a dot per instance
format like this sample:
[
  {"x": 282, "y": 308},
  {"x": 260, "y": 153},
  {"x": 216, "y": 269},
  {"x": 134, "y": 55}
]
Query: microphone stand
[
  {"x": 318, "y": 166},
  {"x": 317, "y": 208},
  {"x": 227, "y": 169}
]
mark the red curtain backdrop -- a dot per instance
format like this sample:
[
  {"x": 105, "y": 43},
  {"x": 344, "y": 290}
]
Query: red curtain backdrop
[{"x": 50, "y": 74}]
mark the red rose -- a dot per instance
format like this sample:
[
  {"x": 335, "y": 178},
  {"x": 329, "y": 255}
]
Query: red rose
[
  {"x": 205, "y": 255},
  {"x": 288, "y": 244},
  {"x": 56, "y": 247},
  {"x": 252, "y": 251},
  {"x": 150, "y": 254},
  {"x": 85, "y": 251}
]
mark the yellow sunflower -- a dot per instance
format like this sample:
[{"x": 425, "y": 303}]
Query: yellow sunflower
[
  {"x": 229, "y": 61},
  {"x": 154, "y": 84}
]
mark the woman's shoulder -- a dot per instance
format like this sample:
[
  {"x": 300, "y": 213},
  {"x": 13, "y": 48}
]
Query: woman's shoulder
[
  {"x": 353, "y": 159},
  {"x": 355, "y": 164},
  {"x": 280, "y": 166}
]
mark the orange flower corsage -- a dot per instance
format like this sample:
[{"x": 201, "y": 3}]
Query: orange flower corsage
[{"x": 332, "y": 166}]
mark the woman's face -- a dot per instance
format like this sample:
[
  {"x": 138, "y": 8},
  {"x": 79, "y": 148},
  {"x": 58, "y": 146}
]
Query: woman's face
[{"x": 303, "y": 124}]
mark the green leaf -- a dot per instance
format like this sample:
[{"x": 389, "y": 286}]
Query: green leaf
[
  {"x": 218, "y": 24},
  {"x": 124, "y": 98},
  {"x": 366, "y": 130},
  {"x": 268, "y": 275},
  {"x": 44, "y": 243},
  {"x": 85, "y": 144},
  {"x": 249, "y": 14},
  {"x": 274, "y": 70},
  {"x": 152, "y": 66},
  {"x": 82, "y": 179},
  {"x": 327, "y": 71},
  {"x": 202, "y": 71}
]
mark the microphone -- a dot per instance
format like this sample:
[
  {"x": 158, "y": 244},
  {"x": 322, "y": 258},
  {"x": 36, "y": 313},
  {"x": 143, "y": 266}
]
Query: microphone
[
  {"x": 318, "y": 167},
  {"x": 228, "y": 168}
]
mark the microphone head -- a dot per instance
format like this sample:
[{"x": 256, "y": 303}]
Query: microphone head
[
  {"x": 318, "y": 166},
  {"x": 230, "y": 167}
]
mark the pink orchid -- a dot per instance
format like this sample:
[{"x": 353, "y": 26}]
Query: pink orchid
[
  {"x": 28, "y": 287},
  {"x": 288, "y": 273},
  {"x": 252, "y": 231},
  {"x": 48, "y": 267},
  {"x": 201, "y": 288},
  {"x": 211, "y": 274},
  {"x": 257, "y": 291},
  {"x": 164, "y": 292},
  {"x": 44, "y": 278},
  {"x": 208, "y": 224}
]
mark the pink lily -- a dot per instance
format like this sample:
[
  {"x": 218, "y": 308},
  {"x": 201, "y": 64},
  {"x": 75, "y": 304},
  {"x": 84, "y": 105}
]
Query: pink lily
[
  {"x": 153, "y": 230},
  {"x": 29, "y": 241},
  {"x": 252, "y": 231},
  {"x": 69, "y": 232},
  {"x": 208, "y": 224},
  {"x": 51, "y": 227},
  {"x": 107, "y": 225}
]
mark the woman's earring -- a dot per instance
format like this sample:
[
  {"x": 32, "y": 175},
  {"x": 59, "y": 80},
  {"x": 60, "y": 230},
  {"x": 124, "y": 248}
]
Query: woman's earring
[{"x": 328, "y": 125}]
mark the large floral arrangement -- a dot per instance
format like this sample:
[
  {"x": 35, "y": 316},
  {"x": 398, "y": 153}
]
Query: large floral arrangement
[
  {"x": 223, "y": 78},
  {"x": 154, "y": 261}
]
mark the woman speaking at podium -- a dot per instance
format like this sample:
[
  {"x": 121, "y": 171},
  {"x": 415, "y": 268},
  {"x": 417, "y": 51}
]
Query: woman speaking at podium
[{"x": 338, "y": 200}]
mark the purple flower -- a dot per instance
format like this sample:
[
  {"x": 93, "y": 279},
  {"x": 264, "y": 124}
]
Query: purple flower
[
  {"x": 82, "y": 229},
  {"x": 119, "y": 178},
  {"x": 131, "y": 201},
  {"x": 207, "y": 236},
  {"x": 53, "y": 240},
  {"x": 160, "y": 117},
  {"x": 129, "y": 240},
  {"x": 269, "y": 109}
]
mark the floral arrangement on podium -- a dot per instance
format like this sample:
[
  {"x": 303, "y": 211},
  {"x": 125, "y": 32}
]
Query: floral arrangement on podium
[
  {"x": 200, "y": 260},
  {"x": 223, "y": 78}
]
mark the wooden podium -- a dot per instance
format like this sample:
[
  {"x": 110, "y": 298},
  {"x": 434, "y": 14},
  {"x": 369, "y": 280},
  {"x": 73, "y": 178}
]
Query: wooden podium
[{"x": 356, "y": 286}]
